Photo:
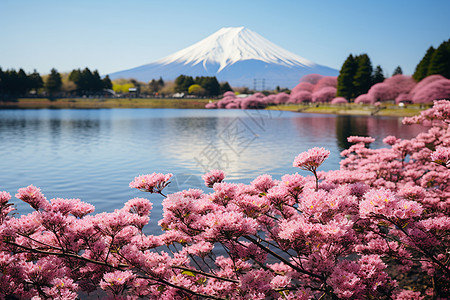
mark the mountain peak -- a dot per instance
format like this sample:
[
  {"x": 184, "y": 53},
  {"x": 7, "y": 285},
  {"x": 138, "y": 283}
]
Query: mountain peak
[
  {"x": 229, "y": 45},
  {"x": 234, "y": 54}
]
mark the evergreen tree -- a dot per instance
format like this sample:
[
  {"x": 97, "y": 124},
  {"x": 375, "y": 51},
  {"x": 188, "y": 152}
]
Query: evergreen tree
[
  {"x": 53, "y": 83},
  {"x": 156, "y": 85},
  {"x": 362, "y": 81},
  {"x": 440, "y": 60},
  {"x": 210, "y": 84},
  {"x": 182, "y": 83},
  {"x": 422, "y": 67},
  {"x": 397, "y": 71},
  {"x": 35, "y": 81},
  {"x": 345, "y": 86},
  {"x": 107, "y": 84},
  {"x": 225, "y": 87},
  {"x": 23, "y": 84},
  {"x": 377, "y": 76}
]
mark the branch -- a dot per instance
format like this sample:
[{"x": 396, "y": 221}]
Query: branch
[
  {"x": 206, "y": 274},
  {"x": 282, "y": 259}
]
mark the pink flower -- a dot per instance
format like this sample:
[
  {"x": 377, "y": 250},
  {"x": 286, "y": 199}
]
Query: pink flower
[
  {"x": 33, "y": 196},
  {"x": 4, "y": 197},
  {"x": 263, "y": 183},
  {"x": 153, "y": 183},
  {"x": 139, "y": 206},
  {"x": 116, "y": 282},
  {"x": 213, "y": 177},
  {"x": 311, "y": 159},
  {"x": 441, "y": 156}
]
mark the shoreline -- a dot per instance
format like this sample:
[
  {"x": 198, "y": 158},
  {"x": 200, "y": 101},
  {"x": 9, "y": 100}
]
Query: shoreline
[{"x": 388, "y": 110}]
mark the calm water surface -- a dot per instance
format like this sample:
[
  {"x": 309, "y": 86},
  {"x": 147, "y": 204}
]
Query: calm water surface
[{"x": 94, "y": 154}]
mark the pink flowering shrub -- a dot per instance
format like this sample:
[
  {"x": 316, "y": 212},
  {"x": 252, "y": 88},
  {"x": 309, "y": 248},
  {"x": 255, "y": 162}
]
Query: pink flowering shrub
[
  {"x": 327, "y": 81},
  {"x": 339, "y": 100},
  {"x": 301, "y": 97},
  {"x": 439, "y": 89},
  {"x": 303, "y": 86},
  {"x": 364, "y": 99},
  {"x": 377, "y": 228},
  {"x": 324, "y": 95},
  {"x": 391, "y": 88}
]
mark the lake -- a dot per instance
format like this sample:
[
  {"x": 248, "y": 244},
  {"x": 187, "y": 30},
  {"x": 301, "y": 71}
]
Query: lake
[{"x": 93, "y": 154}]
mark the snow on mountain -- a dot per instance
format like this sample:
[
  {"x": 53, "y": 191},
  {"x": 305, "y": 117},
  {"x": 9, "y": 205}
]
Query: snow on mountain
[{"x": 234, "y": 54}]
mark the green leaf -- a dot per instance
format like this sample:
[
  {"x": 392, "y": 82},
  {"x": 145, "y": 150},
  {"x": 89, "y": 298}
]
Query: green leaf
[{"x": 188, "y": 273}]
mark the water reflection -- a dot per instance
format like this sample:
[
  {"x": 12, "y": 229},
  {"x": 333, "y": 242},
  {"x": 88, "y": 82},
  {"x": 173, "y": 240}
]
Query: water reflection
[
  {"x": 349, "y": 126},
  {"x": 94, "y": 154}
]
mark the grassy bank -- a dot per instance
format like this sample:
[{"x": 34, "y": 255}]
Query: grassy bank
[
  {"x": 355, "y": 109},
  {"x": 105, "y": 103},
  {"x": 348, "y": 109}
]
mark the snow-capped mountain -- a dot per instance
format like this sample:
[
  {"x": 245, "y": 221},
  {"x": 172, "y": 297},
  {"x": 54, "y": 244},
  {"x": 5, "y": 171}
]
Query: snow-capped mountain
[{"x": 234, "y": 54}]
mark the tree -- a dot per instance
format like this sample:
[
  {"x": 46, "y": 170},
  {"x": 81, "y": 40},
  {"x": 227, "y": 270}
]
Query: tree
[
  {"x": 362, "y": 81},
  {"x": 196, "y": 89},
  {"x": 225, "y": 87},
  {"x": 440, "y": 60},
  {"x": 210, "y": 84},
  {"x": 422, "y": 67},
  {"x": 156, "y": 85},
  {"x": 182, "y": 83},
  {"x": 107, "y": 84},
  {"x": 345, "y": 84},
  {"x": 35, "y": 81},
  {"x": 53, "y": 82},
  {"x": 397, "y": 71},
  {"x": 377, "y": 76}
]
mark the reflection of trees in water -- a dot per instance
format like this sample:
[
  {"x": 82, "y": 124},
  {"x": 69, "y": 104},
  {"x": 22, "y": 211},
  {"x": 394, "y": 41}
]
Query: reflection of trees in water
[
  {"x": 347, "y": 126},
  {"x": 375, "y": 127}
]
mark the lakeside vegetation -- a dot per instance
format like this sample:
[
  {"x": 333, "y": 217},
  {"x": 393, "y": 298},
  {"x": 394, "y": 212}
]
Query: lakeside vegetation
[{"x": 83, "y": 103}]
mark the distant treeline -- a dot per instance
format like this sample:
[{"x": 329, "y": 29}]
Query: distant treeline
[{"x": 78, "y": 83}]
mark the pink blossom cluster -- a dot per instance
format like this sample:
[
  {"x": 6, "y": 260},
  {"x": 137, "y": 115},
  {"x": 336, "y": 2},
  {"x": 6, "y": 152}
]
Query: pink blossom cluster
[
  {"x": 153, "y": 183},
  {"x": 312, "y": 88},
  {"x": 377, "y": 228},
  {"x": 403, "y": 88}
]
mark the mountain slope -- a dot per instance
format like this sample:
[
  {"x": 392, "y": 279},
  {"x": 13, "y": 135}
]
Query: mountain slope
[{"x": 234, "y": 54}]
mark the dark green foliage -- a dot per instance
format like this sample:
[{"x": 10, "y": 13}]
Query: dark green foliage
[
  {"x": 345, "y": 85},
  {"x": 53, "y": 82},
  {"x": 107, "y": 84},
  {"x": 88, "y": 82},
  {"x": 397, "y": 71},
  {"x": 182, "y": 83},
  {"x": 35, "y": 81},
  {"x": 156, "y": 85},
  {"x": 422, "y": 67},
  {"x": 15, "y": 83},
  {"x": 440, "y": 60},
  {"x": 377, "y": 76},
  {"x": 225, "y": 87},
  {"x": 362, "y": 81},
  {"x": 210, "y": 84}
]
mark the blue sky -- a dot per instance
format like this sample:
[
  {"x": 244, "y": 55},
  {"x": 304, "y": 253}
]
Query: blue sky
[{"x": 116, "y": 35}]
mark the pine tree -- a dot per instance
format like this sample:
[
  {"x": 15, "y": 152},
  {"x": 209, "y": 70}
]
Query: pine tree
[
  {"x": 53, "y": 83},
  {"x": 397, "y": 71},
  {"x": 35, "y": 81},
  {"x": 345, "y": 86},
  {"x": 422, "y": 67},
  {"x": 440, "y": 60},
  {"x": 377, "y": 76},
  {"x": 362, "y": 81},
  {"x": 107, "y": 84}
]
